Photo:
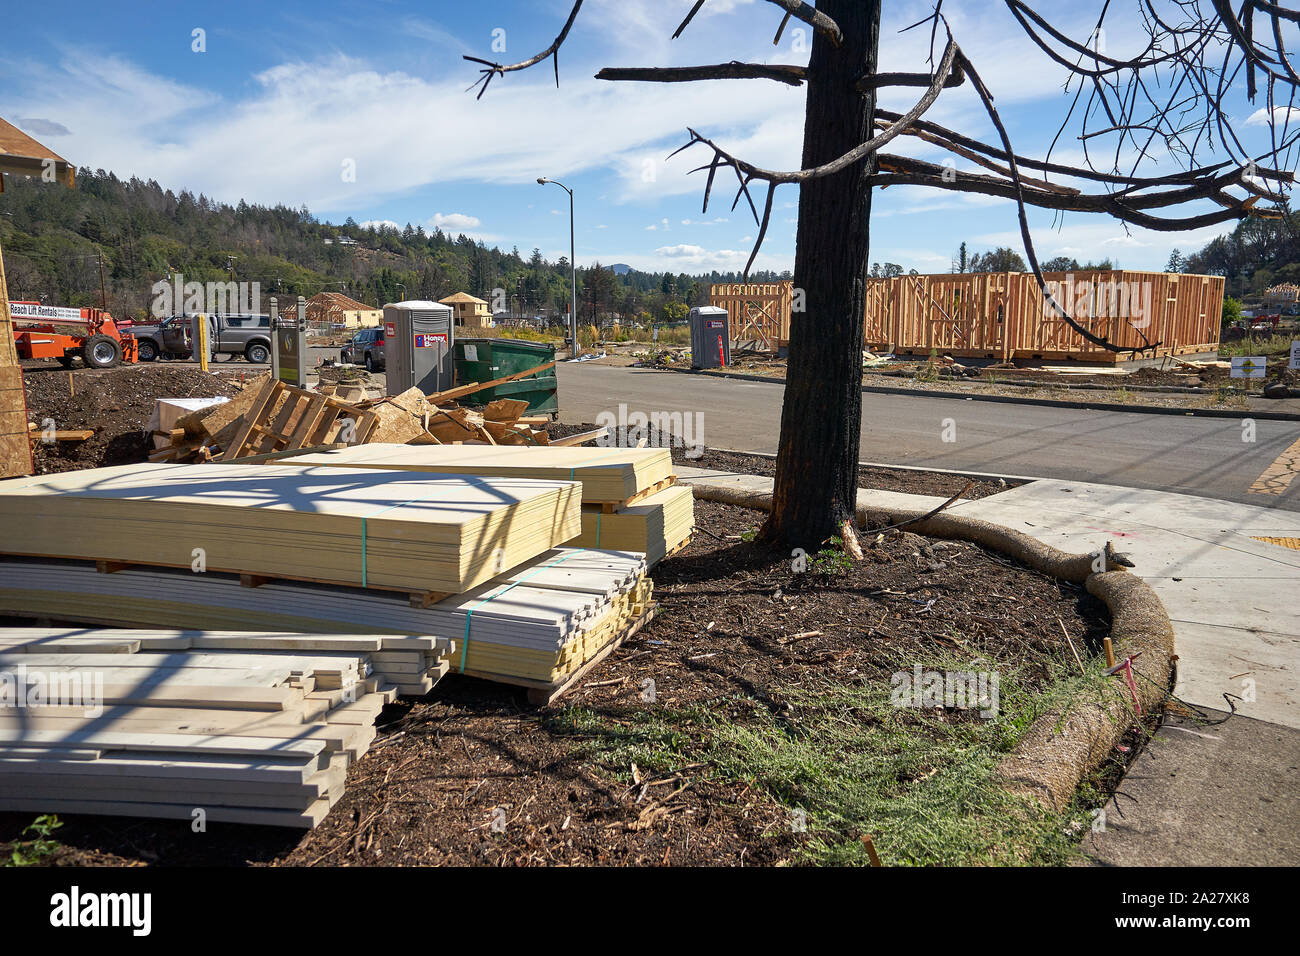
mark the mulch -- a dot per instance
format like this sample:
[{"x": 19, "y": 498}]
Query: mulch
[{"x": 738, "y": 632}]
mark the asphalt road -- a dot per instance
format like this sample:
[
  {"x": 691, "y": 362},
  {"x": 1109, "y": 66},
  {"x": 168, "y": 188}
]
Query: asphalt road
[{"x": 1185, "y": 454}]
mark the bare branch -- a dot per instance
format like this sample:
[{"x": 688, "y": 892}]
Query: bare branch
[
  {"x": 493, "y": 69},
  {"x": 735, "y": 70},
  {"x": 811, "y": 16}
]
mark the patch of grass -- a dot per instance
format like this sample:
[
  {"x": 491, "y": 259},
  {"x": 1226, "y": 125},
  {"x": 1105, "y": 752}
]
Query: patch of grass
[
  {"x": 40, "y": 847},
  {"x": 846, "y": 762},
  {"x": 1258, "y": 344}
]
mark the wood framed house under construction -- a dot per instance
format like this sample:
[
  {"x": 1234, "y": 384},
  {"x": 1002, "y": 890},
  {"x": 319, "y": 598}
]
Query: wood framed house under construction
[{"x": 1003, "y": 316}]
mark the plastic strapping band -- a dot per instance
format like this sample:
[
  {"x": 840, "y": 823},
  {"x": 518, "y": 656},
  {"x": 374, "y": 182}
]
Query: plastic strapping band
[
  {"x": 469, "y": 615},
  {"x": 400, "y": 504}
]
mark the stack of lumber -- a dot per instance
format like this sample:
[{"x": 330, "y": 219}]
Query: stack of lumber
[
  {"x": 537, "y": 624},
  {"x": 424, "y": 534},
  {"x": 631, "y": 501},
  {"x": 248, "y": 728},
  {"x": 657, "y": 525}
]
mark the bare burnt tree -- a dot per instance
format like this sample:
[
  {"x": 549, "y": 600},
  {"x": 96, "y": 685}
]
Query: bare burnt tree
[{"x": 1164, "y": 104}]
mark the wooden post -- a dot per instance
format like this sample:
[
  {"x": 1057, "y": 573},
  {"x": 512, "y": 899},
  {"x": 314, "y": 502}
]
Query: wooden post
[
  {"x": 15, "y": 443},
  {"x": 202, "y": 342}
]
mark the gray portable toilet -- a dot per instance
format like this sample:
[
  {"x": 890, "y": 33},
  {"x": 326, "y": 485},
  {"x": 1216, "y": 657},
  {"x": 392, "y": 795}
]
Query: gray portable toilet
[
  {"x": 710, "y": 341},
  {"x": 418, "y": 346}
]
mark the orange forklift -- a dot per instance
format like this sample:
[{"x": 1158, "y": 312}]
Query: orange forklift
[{"x": 103, "y": 344}]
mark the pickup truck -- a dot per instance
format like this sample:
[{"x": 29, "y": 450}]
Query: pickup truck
[
  {"x": 151, "y": 339},
  {"x": 246, "y": 335}
]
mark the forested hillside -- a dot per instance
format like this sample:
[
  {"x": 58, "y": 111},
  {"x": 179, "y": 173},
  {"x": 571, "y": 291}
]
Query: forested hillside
[{"x": 56, "y": 240}]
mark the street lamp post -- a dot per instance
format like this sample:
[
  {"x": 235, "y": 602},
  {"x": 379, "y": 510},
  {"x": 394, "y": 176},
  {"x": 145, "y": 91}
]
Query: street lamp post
[{"x": 573, "y": 266}]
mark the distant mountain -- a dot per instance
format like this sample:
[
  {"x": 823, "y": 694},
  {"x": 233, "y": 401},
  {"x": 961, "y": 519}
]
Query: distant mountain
[{"x": 620, "y": 268}]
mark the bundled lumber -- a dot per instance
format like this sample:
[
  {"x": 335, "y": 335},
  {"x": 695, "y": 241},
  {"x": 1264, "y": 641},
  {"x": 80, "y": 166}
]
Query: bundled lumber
[
  {"x": 536, "y": 625},
  {"x": 425, "y": 534},
  {"x": 611, "y": 476},
  {"x": 657, "y": 525},
  {"x": 247, "y": 728},
  {"x": 411, "y": 664}
]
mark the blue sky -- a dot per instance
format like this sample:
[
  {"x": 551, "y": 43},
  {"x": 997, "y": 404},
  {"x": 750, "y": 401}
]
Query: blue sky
[{"x": 287, "y": 96}]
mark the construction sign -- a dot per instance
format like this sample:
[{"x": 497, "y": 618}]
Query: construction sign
[
  {"x": 1248, "y": 366},
  {"x": 1295, "y": 353}
]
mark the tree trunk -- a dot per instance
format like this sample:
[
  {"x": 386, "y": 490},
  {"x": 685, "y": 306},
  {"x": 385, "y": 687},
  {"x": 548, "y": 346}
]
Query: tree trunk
[{"x": 817, "y": 462}]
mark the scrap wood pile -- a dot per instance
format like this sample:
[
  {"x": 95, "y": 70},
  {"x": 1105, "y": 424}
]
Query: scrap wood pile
[
  {"x": 271, "y": 418},
  {"x": 248, "y": 728}
]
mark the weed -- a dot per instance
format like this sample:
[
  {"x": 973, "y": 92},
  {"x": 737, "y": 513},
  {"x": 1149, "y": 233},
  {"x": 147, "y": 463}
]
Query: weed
[
  {"x": 833, "y": 560},
  {"x": 41, "y": 847}
]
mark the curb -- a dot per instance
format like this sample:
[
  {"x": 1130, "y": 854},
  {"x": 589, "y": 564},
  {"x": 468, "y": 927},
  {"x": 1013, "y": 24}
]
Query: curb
[
  {"x": 771, "y": 456},
  {"x": 1017, "y": 400}
]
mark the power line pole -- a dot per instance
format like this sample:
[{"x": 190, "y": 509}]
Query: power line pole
[{"x": 103, "y": 294}]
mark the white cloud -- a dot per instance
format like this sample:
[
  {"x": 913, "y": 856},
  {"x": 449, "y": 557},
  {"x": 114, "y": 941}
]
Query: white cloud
[
  {"x": 1281, "y": 115},
  {"x": 454, "y": 222},
  {"x": 379, "y": 224}
]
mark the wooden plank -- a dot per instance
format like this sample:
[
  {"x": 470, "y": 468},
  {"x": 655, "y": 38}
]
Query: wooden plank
[{"x": 463, "y": 390}]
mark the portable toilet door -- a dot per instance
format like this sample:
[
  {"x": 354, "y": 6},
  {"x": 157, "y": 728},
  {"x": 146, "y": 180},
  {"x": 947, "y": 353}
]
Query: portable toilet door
[
  {"x": 710, "y": 340},
  {"x": 419, "y": 337}
]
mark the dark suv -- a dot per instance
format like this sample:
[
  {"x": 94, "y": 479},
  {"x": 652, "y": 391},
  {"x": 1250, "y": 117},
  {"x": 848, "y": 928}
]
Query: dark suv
[{"x": 366, "y": 348}]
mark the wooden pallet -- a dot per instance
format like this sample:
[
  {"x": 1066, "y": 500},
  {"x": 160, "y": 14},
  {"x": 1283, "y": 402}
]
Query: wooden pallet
[
  {"x": 609, "y": 507},
  {"x": 305, "y": 418}
]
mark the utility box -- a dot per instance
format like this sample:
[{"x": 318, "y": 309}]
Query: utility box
[
  {"x": 418, "y": 341},
  {"x": 710, "y": 343},
  {"x": 289, "y": 344}
]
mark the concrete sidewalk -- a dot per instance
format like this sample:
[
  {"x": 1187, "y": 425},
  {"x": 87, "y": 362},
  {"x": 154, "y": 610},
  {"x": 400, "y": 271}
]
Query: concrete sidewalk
[{"x": 1233, "y": 603}]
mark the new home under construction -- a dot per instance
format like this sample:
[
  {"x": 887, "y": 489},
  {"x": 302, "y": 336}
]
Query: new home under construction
[{"x": 1003, "y": 316}]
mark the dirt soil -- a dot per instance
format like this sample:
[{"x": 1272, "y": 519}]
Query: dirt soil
[
  {"x": 738, "y": 632},
  {"x": 117, "y": 403},
  {"x": 882, "y": 479}
]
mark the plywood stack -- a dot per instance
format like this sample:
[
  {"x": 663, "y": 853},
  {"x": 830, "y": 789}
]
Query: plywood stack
[
  {"x": 631, "y": 501},
  {"x": 536, "y": 625},
  {"x": 424, "y": 534},
  {"x": 657, "y": 525},
  {"x": 247, "y": 728}
]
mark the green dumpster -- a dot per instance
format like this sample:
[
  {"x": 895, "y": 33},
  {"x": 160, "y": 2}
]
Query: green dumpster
[{"x": 482, "y": 360}]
